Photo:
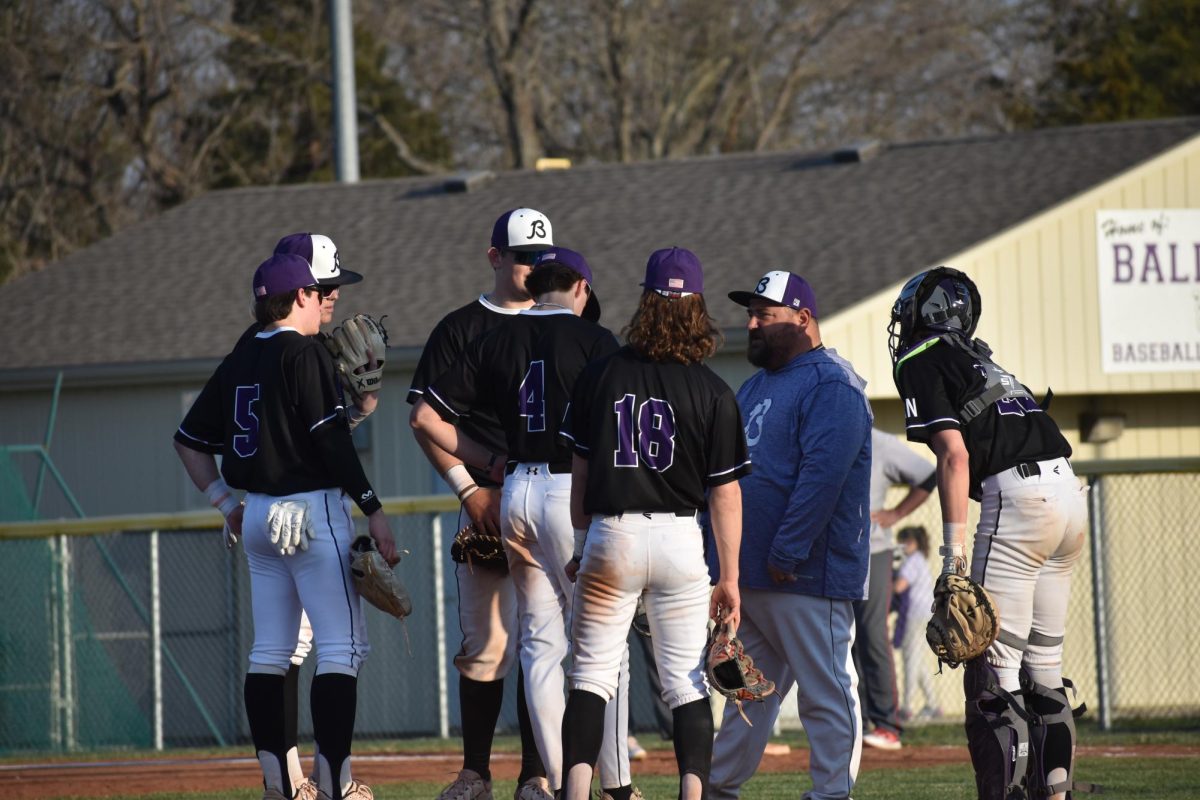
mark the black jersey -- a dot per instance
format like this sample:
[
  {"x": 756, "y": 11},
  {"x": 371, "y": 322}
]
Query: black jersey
[
  {"x": 937, "y": 380},
  {"x": 273, "y": 411},
  {"x": 654, "y": 434},
  {"x": 447, "y": 342},
  {"x": 523, "y": 373}
]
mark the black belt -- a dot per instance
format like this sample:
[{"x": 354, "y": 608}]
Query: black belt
[
  {"x": 555, "y": 469},
  {"x": 689, "y": 513},
  {"x": 1029, "y": 469}
]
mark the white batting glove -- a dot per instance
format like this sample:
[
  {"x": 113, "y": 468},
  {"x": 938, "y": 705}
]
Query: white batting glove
[{"x": 290, "y": 525}]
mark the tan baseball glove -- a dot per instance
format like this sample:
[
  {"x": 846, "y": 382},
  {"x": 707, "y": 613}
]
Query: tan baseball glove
[
  {"x": 731, "y": 670},
  {"x": 375, "y": 580},
  {"x": 965, "y": 621},
  {"x": 349, "y": 345},
  {"x": 474, "y": 548}
]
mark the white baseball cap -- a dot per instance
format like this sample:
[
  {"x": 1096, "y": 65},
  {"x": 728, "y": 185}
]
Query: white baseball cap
[
  {"x": 322, "y": 254},
  {"x": 522, "y": 229}
]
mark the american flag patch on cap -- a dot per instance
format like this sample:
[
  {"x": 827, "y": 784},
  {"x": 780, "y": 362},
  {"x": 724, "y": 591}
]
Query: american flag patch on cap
[
  {"x": 675, "y": 283},
  {"x": 260, "y": 290}
]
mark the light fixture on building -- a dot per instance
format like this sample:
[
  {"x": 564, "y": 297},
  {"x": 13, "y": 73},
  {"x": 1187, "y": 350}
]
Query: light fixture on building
[{"x": 1100, "y": 427}]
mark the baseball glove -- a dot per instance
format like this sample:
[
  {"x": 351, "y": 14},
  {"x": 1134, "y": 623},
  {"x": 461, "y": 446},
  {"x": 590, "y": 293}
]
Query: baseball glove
[
  {"x": 472, "y": 547},
  {"x": 375, "y": 580},
  {"x": 349, "y": 343},
  {"x": 731, "y": 671},
  {"x": 965, "y": 621}
]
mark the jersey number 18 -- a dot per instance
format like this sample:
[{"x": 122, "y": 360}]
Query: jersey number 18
[{"x": 647, "y": 430}]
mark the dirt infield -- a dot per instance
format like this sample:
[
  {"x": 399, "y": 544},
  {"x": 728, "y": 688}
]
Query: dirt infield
[{"x": 102, "y": 779}]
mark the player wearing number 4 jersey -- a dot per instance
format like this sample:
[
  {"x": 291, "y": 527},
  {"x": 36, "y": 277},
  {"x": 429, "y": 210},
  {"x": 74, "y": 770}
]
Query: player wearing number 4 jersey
[
  {"x": 273, "y": 410},
  {"x": 524, "y": 371},
  {"x": 652, "y": 429}
]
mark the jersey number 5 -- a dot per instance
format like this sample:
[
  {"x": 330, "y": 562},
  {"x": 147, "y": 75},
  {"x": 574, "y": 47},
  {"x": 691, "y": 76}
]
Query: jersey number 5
[
  {"x": 244, "y": 398},
  {"x": 647, "y": 430}
]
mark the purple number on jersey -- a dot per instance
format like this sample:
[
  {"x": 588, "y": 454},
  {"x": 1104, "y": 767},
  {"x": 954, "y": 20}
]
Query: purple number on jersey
[
  {"x": 1017, "y": 406},
  {"x": 654, "y": 435},
  {"x": 244, "y": 398},
  {"x": 533, "y": 397}
]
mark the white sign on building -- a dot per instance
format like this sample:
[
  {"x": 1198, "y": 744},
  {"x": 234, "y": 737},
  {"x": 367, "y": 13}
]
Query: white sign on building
[{"x": 1149, "y": 271}]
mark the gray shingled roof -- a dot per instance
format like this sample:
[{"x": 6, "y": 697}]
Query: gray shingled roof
[{"x": 177, "y": 287}]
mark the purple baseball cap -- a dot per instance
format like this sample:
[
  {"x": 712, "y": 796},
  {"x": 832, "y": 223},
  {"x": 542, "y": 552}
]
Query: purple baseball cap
[
  {"x": 522, "y": 229},
  {"x": 576, "y": 261},
  {"x": 322, "y": 254},
  {"x": 781, "y": 288},
  {"x": 282, "y": 273},
  {"x": 674, "y": 272}
]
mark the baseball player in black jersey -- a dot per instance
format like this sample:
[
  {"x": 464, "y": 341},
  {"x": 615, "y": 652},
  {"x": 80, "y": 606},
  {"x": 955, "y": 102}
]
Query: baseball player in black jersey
[
  {"x": 322, "y": 256},
  {"x": 997, "y": 445},
  {"x": 524, "y": 372},
  {"x": 653, "y": 430},
  {"x": 274, "y": 412},
  {"x": 487, "y": 604}
]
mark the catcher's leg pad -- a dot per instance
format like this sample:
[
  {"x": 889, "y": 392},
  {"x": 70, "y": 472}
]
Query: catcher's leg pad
[
  {"x": 1052, "y": 740},
  {"x": 997, "y": 733}
]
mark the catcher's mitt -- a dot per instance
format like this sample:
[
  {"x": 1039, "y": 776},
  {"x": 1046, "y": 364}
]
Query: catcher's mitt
[
  {"x": 965, "y": 621},
  {"x": 731, "y": 671},
  {"x": 349, "y": 343},
  {"x": 375, "y": 580},
  {"x": 472, "y": 547}
]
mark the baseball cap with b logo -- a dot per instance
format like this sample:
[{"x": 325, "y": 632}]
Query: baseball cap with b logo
[
  {"x": 782, "y": 288},
  {"x": 522, "y": 229},
  {"x": 674, "y": 272},
  {"x": 322, "y": 254}
]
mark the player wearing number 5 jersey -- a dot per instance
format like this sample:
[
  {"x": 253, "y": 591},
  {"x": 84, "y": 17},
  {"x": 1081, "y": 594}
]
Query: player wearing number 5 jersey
[
  {"x": 523, "y": 372},
  {"x": 653, "y": 429},
  {"x": 273, "y": 411}
]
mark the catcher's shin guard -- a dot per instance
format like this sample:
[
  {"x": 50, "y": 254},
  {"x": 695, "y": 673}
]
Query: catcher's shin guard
[
  {"x": 1052, "y": 739},
  {"x": 997, "y": 734}
]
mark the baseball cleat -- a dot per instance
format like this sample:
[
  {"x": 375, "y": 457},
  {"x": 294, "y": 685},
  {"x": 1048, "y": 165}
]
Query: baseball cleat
[
  {"x": 534, "y": 789},
  {"x": 356, "y": 791},
  {"x": 469, "y": 785},
  {"x": 307, "y": 791}
]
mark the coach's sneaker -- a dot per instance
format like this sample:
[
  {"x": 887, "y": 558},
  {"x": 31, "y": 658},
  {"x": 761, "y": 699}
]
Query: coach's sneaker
[
  {"x": 534, "y": 789},
  {"x": 882, "y": 739},
  {"x": 469, "y": 785}
]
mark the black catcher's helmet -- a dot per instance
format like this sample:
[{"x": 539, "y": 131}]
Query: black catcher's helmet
[{"x": 938, "y": 300}]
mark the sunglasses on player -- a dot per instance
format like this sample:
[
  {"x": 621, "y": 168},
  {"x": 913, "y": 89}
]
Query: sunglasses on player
[
  {"x": 324, "y": 291},
  {"x": 526, "y": 257}
]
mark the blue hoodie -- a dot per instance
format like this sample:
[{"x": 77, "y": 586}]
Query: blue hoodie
[{"x": 806, "y": 506}]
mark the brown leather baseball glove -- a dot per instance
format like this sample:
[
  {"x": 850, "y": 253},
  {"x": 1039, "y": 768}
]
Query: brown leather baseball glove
[
  {"x": 473, "y": 548},
  {"x": 965, "y": 621},
  {"x": 375, "y": 580},
  {"x": 731, "y": 671}
]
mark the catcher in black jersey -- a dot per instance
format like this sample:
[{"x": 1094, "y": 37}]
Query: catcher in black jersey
[
  {"x": 274, "y": 412},
  {"x": 996, "y": 444},
  {"x": 652, "y": 429},
  {"x": 523, "y": 372},
  {"x": 487, "y": 604}
]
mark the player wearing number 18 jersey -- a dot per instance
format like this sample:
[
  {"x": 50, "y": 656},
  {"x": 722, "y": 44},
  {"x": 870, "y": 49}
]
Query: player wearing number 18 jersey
[
  {"x": 652, "y": 429},
  {"x": 524, "y": 372}
]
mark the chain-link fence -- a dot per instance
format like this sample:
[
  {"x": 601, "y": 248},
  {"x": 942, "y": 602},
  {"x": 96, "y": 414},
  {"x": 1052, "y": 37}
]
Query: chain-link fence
[{"x": 139, "y": 638}]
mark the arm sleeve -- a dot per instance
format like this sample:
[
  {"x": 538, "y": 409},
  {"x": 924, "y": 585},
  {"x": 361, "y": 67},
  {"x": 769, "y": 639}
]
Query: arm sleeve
[
  {"x": 203, "y": 427},
  {"x": 456, "y": 391},
  {"x": 320, "y": 406},
  {"x": 437, "y": 357},
  {"x": 927, "y": 406},
  {"x": 836, "y": 423},
  {"x": 728, "y": 458}
]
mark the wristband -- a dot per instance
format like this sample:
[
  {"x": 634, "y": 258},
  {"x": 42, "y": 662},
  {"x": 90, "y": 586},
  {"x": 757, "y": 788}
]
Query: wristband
[
  {"x": 953, "y": 534},
  {"x": 580, "y": 536},
  {"x": 221, "y": 497},
  {"x": 460, "y": 481},
  {"x": 355, "y": 416}
]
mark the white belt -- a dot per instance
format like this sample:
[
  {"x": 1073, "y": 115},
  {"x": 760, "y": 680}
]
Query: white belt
[{"x": 1029, "y": 474}]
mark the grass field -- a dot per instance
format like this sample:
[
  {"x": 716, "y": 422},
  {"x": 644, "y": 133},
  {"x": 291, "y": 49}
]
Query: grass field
[{"x": 1162, "y": 778}]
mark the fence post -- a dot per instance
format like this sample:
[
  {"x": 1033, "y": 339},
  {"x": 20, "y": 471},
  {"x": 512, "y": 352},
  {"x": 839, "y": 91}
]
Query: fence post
[
  {"x": 1100, "y": 599},
  {"x": 156, "y": 643},
  {"x": 70, "y": 742},
  {"x": 439, "y": 609}
]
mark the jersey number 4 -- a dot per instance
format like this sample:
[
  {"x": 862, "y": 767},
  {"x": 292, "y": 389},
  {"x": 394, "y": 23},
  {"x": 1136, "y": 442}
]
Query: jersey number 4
[
  {"x": 533, "y": 397},
  {"x": 646, "y": 430},
  {"x": 244, "y": 398}
]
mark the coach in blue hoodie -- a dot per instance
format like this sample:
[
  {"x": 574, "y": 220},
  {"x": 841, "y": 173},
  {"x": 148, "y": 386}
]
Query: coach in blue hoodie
[{"x": 805, "y": 538}]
